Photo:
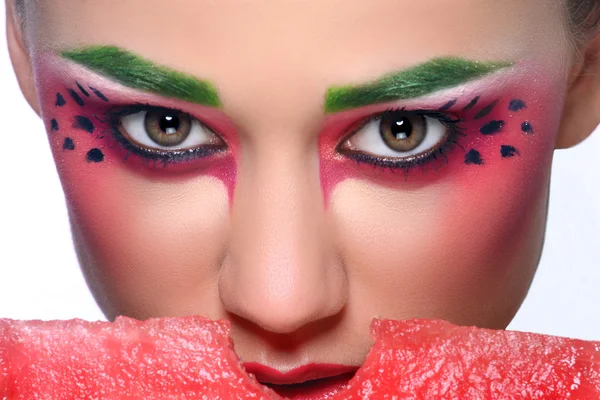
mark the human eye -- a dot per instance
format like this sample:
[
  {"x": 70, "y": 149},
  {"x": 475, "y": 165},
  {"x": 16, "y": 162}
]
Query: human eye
[
  {"x": 401, "y": 139},
  {"x": 163, "y": 134}
]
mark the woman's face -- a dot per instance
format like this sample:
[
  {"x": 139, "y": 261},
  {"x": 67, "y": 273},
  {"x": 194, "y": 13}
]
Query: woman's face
[{"x": 301, "y": 167}]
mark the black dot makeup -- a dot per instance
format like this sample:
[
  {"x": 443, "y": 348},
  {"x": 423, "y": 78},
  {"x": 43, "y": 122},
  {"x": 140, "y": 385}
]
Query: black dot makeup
[
  {"x": 448, "y": 105},
  {"x": 527, "y": 128},
  {"x": 95, "y": 156},
  {"x": 492, "y": 127},
  {"x": 473, "y": 157},
  {"x": 76, "y": 97},
  {"x": 516, "y": 105},
  {"x": 471, "y": 104},
  {"x": 508, "y": 151},
  {"x": 54, "y": 125},
  {"x": 82, "y": 90},
  {"x": 60, "y": 100},
  {"x": 84, "y": 123},
  {"x": 484, "y": 112},
  {"x": 99, "y": 94},
  {"x": 68, "y": 144}
]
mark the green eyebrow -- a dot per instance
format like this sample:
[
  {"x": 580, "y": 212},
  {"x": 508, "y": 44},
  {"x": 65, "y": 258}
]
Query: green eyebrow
[
  {"x": 436, "y": 74},
  {"x": 136, "y": 72}
]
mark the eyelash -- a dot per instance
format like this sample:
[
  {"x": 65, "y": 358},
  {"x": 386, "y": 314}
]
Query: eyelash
[
  {"x": 165, "y": 157},
  {"x": 409, "y": 163},
  {"x": 114, "y": 115}
]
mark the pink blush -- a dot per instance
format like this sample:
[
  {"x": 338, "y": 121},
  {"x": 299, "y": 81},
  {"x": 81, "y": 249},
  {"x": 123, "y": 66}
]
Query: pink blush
[{"x": 75, "y": 103}]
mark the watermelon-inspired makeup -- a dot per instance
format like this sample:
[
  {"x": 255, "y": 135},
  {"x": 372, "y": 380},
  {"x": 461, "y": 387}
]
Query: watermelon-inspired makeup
[
  {"x": 429, "y": 77},
  {"x": 89, "y": 97},
  {"x": 136, "y": 72},
  {"x": 447, "y": 117}
]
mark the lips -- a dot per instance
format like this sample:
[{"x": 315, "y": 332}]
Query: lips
[{"x": 310, "y": 381}]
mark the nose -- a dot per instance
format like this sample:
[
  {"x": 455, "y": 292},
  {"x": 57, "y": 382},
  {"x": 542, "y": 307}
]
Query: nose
[{"x": 281, "y": 270}]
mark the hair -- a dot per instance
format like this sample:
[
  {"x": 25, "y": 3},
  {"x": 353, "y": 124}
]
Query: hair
[{"x": 583, "y": 17}]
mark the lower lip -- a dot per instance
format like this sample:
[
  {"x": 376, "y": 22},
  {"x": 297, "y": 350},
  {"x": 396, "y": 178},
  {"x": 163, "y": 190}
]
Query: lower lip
[{"x": 311, "y": 390}]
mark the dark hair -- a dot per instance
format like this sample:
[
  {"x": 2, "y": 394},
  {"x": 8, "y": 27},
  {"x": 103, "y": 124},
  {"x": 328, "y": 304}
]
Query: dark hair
[{"x": 584, "y": 18}]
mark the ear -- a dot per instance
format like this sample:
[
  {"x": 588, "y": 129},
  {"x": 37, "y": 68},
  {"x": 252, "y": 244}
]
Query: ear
[
  {"x": 19, "y": 56},
  {"x": 582, "y": 110}
]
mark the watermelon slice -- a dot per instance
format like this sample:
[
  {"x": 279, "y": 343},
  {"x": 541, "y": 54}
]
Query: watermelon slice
[
  {"x": 193, "y": 358},
  {"x": 170, "y": 358},
  {"x": 427, "y": 359}
]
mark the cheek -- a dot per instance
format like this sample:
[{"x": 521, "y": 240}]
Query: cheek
[
  {"x": 461, "y": 251},
  {"x": 148, "y": 246},
  {"x": 148, "y": 236},
  {"x": 462, "y": 241}
]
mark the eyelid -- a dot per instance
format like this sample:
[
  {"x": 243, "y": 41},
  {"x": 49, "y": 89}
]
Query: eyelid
[
  {"x": 115, "y": 113},
  {"x": 444, "y": 117}
]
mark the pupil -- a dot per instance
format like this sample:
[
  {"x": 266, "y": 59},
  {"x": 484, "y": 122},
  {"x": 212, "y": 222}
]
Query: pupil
[
  {"x": 169, "y": 124},
  {"x": 402, "y": 128}
]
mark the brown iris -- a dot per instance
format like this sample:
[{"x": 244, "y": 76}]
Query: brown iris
[
  {"x": 168, "y": 127},
  {"x": 402, "y": 131}
]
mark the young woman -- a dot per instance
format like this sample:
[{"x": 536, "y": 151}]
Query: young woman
[{"x": 301, "y": 167}]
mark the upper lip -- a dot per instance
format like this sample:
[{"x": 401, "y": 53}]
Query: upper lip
[{"x": 309, "y": 372}]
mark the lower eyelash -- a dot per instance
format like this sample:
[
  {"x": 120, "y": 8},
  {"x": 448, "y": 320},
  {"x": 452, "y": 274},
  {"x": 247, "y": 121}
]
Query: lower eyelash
[
  {"x": 408, "y": 164},
  {"x": 164, "y": 157},
  {"x": 158, "y": 156},
  {"x": 433, "y": 158}
]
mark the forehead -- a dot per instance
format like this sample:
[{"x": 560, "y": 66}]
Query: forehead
[
  {"x": 259, "y": 27},
  {"x": 296, "y": 45}
]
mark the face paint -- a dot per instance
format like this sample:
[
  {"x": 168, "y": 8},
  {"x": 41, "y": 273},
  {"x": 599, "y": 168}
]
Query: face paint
[
  {"x": 486, "y": 110},
  {"x": 516, "y": 105},
  {"x": 507, "y": 151},
  {"x": 99, "y": 94},
  {"x": 473, "y": 157},
  {"x": 68, "y": 144},
  {"x": 473, "y": 147},
  {"x": 84, "y": 123},
  {"x": 76, "y": 97},
  {"x": 471, "y": 104},
  {"x": 527, "y": 128},
  {"x": 429, "y": 77},
  {"x": 492, "y": 127},
  {"x": 99, "y": 118},
  {"x": 82, "y": 89},
  {"x": 95, "y": 156},
  {"x": 448, "y": 105},
  {"x": 60, "y": 100},
  {"x": 136, "y": 72}
]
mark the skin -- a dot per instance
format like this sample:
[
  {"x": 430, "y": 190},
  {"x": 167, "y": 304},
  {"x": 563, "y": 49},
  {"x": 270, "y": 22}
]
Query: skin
[{"x": 296, "y": 245}]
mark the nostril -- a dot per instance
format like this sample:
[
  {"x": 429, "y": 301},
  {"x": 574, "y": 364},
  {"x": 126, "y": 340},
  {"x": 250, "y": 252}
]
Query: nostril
[
  {"x": 278, "y": 316},
  {"x": 281, "y": 297}
]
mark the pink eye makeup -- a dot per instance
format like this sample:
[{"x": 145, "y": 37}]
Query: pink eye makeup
[
  {"x": 414, "y": 138},
  {"x": 154, "y": 130},
  {"x": 424, "y": 125},
  {"x": 134, "y": 127},
  {"x": 483, "y": 127},
  {"x": 143, "y": 136},
  {"x": 162, "y": 134},
  {"x": 102, "y": 129},
  {"x": 450, "y": 128}
]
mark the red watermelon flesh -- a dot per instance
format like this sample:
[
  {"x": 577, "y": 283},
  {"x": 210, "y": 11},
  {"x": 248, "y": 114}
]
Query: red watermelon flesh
[
  {"x": 427, "y": 359},
  {"x": 193, "y": 358},
  {"x": 170, "y": 358}
]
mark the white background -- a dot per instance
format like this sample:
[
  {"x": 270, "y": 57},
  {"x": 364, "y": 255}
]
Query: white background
[{"x": 40, "y": 278}]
